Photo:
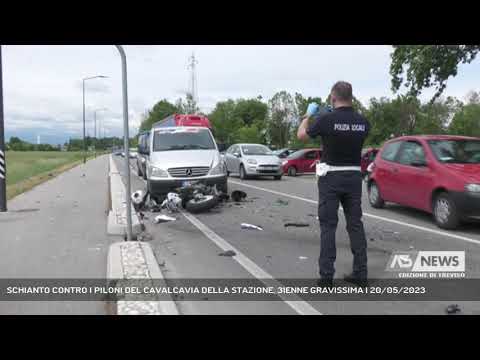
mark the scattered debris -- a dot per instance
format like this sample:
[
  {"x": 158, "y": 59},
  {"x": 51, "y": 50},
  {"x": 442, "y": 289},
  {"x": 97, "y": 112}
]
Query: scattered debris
[
  {"x": 411, "y": 248},
  {"x": 172, "y": 203},
  {"x": 297, "y": 224},
  {"x": 281, "y": 202},
  {"x": 51, "y": 175},
  {"x": 372, "y": 239},
  {"x": 162, "y": 264},
  {"x": 144, "y": 237},
  {"x": 238, "y": 195},
  {"x": 228, "y": 253},
  {"x": 224, "y": 197},
  {"x": 251, "y": 227},
  {"x": 303, "y": 257},
  {"x": 163, "y": 218},
  {"x": 453, "y": 309}
]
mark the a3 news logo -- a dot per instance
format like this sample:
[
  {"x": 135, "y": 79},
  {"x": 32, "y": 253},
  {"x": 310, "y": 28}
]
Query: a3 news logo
[{"x": 427, "y": 262}]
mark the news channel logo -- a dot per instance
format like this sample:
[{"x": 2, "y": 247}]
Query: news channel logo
[{"x": 427, "y": 264}]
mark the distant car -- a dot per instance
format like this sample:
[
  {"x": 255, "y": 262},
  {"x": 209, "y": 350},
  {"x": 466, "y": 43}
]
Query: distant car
[
  {"x": 437, "y": 174},
  {"x": 253, "y": 160},
  {"x": 368, "y": 156},
  {"x": 301, "y": 162},
  {"x": 283, "y": 153}
]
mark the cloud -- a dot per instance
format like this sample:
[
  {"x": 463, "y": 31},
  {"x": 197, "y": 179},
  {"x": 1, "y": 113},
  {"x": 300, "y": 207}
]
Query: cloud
[{"x": 43, "y": 84}]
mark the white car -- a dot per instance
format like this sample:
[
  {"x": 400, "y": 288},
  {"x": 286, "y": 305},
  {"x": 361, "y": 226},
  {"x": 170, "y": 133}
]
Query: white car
[{"x": 253, "y": 160}]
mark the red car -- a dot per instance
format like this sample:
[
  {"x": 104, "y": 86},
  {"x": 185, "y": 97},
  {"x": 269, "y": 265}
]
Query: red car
[
  {"x": 368, "y": 156},
  {"x": 436, "y": 173},
  {"x": 301, "y": 162}
]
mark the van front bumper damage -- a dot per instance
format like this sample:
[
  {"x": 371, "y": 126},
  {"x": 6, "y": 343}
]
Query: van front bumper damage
[{"x": 162, "y": 187}]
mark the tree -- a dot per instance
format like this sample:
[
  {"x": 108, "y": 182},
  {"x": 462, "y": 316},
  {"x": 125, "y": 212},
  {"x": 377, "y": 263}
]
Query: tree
[
  {"x": 428, "y": 65},
  {"x": 466, "y": 121},
  {"x": 302, "y": 103},
  {"x": 189, "y": 106},
  {"x": 282, "y": 118},
  {"x": 251, "y": 110},
  {"x": 225, "y": 122},
  {"x": 160, "y": 111}
]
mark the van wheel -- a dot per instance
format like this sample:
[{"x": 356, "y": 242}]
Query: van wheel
[
  {"x": 445, "y": 212},
  {"x": 374, "y": 196},
  {"x": 292, "y": 171},
  {"x": 243, "y": 174}
]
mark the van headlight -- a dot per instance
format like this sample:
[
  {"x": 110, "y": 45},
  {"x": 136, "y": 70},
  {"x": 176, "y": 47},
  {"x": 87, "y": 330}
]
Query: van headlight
[
  {"x": 284, "y": 162},
  {"x": 157, "y": 172},
  {"x": 473, "y": 188},
  {"x": 218, "y": 169},
  {"x": 252, "y": 161}
]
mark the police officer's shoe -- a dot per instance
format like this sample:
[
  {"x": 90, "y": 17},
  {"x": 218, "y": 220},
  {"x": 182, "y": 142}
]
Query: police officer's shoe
[
  {"x": 355, "y": 280},
  {"x": 327, "y": 283}
]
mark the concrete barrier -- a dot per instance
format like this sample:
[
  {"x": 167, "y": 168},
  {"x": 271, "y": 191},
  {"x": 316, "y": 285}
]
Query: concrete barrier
[{"x": 117, "y": 216}]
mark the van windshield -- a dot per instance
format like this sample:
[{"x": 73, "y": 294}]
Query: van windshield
[
  {"x": 182, "y": 139},
  {"x": 456, "y": 151}
]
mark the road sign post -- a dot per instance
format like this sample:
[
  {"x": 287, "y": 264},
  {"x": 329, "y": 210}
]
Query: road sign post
[{"x": 3, "y": 161}]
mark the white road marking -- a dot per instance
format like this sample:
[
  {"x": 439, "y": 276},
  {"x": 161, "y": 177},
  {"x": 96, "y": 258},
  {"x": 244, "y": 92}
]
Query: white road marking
[
  {"x": 300, "y": 306},
  {"x": 417, "y": 227}
]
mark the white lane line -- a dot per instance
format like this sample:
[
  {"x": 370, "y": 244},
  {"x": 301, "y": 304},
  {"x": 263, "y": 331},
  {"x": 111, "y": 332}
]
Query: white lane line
[
  {"x": 300, "y": 306},
  {"x": 417, "y": 227}
]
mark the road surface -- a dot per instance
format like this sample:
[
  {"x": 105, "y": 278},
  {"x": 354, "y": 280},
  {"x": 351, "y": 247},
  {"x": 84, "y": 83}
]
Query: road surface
[
  {"x": 189, "y": 247},
  {"x": 58, "y": 230}
]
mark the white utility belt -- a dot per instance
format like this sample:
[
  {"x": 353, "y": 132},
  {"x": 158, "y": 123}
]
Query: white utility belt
[{"x": 322, "y": 168}]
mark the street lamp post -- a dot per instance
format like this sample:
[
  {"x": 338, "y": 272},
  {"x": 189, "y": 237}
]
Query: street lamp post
[
  {"x": 3, "y": 166},
  {"x": 95, "y": 128},
  {"x": 83, "y": 87},
  {"x": 126, "y": 140}
]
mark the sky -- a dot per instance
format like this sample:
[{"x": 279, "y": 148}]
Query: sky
[{"x": 43, "y": 84}]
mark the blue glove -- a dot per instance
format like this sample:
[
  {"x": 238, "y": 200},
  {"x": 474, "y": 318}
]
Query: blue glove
[{"x": 312, "y": 109}]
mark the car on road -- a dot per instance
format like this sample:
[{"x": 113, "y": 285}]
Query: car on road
[
  {"x": 301, "y": 162},
  {"x": 368, "y": 156},
  {"x": 438, "y": 174},
  {"x": 253, "y": 160},
  {"x": 284, "y": 153}
]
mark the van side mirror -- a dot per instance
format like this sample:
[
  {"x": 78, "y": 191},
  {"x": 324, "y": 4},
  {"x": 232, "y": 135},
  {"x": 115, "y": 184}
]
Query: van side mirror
[{"x": 236, "y": 154}]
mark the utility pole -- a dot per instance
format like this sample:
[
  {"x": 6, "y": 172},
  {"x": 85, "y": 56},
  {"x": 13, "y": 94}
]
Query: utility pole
[
  {"x": 3, "y": 163},
  {"x": 193, "y": 79}
]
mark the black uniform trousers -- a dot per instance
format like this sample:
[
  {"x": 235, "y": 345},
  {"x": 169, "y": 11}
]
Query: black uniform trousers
[{"x": 343, "y": 187}]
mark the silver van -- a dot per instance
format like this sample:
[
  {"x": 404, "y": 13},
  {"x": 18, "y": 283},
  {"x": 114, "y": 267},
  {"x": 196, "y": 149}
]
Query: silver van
[{"x": 179, "y": 156}]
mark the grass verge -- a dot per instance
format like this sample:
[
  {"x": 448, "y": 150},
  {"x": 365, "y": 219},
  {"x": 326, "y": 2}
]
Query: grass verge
[{"x": 25, "y": 170}]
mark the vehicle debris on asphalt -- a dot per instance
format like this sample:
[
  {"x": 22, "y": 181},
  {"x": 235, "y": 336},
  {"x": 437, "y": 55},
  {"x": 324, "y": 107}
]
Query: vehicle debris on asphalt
[
  {"x": 453, "y": 309},
  {"x": 303, "y": 257},
  {"x": 172, "y": 203},
  {"x": 228, "y": 253},
  {"x": 281, "y": 202},
  {"x": 163, "y": 218},
  {"x": 297, "y": 224},
  {"x": 251, "y": 227},
  {"x": 238, "y": 195}
]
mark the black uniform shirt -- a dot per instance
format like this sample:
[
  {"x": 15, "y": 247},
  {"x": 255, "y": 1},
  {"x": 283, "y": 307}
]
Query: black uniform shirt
[{"x": 343, "y": 133}]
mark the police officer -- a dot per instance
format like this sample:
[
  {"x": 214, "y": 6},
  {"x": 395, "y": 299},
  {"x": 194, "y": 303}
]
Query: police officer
[{"x": 343, "y": 132}]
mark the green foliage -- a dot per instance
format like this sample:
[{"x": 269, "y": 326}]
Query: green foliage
[
  {"x": 428, "y": 65},
  {"x": 467, "y": 121},
  {"x": 251, "y": 110},
  {"x": 160, "y": 111},
  {"x": 225, "y": 122},
  {"x": 282, "y": 119}
]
